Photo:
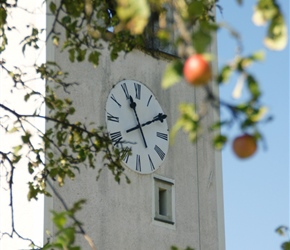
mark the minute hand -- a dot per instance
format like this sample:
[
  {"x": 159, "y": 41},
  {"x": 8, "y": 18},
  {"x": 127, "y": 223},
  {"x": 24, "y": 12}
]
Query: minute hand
[
  {"x": 159, "y": 117},
  {"x": 133, "y": 106}
]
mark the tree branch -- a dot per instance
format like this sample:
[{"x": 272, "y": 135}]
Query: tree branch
[{"x": 5, "y": 157}]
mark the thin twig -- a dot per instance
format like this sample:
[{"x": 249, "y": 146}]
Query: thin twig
[{"x": 5, "y": 156}]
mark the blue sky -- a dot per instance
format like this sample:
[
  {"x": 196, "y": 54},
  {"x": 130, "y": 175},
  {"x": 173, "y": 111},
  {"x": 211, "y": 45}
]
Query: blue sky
[{"x": 256, "y": 190}]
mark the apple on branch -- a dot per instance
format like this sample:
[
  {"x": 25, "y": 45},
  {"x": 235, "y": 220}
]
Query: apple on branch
[
  {"x": 197, "y": 70},
  {"x": 244, "y": 146}
]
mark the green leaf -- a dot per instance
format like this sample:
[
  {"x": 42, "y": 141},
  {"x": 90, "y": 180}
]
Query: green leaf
[
  {"x": 71, "y": 174},
  {"x": 66, "y": 19},
  {"x": 219, "y": 141},
  {"x": 259, "y": 114},
  {"x": 134, "y": 15},
  {"x": 244, "y": 62},
  {"x": 52, "y": 7},
  {"x": 82, "y": 155},
  {"x": 16, "y": 158},
  {"x": 50, "y": 155},
  {"x": 16, "y": 149},
  {"x": 59, "y": 219},
  {"x": 246, "y": 124},
  {"x": 281, "y": 230},
  {"x": 264, "y": 11},
  {"x": 225, "y": 74},
  {"x": 94, "y": 57},
  {"x": 201, "y": 38},
  {"x": 277, "y": 35},
  {"x": 71, "y": 110},
  {"x": 3, "y": 16},
  {"x": 77, "y": 206},
  {"x": 71, "y": 55},
  {"x": 172, "y": 74},
  {"x": 53, "y": 172},
  {"x": 26, "y": 138},
  {"x": 163, "y": 35},
  {"x": 30, "y": 168},
  {"x": 26, "y": 97},
  {"x": 219, "y": 124},
  {"x": 254, "y": 88},
  {"x": 32, "y": 194},
  {"x": 55, "y": 40},
  {"x": 68, "y": 101},
  {"x": 286, "y": 245},
  {"x": 67, "y": 237},
  {"x": 81, "y": 55},
  {"x": 195, "y": 8},
  {"x": 258, "y": 56},
  {"x": 242, "y": 107},
  {"x": 13, "y": 130},
  {"x": 188, "y": 122}
]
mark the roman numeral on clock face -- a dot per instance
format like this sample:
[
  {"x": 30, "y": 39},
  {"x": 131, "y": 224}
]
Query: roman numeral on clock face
[
  {"x": 125, "y": 89},
  {"x": 138, "y": 163},
  {"x": 162, "y": 136},
  {"x": 159, "y": 152},
  {"x": 151, "y": 163},
  {"x": 115, "y": 100},
  {"x": 149, "y": 100},
  {"x": 126, "y": 154},
  {"x": 116, "y": 137},
  {"x": 137, "y": 90},
  {"x": 112, "y": 118}
]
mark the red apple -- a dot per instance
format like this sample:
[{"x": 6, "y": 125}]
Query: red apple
[
  {"x": 197, "y": 70},
  {"x": 244, "y": 146}
]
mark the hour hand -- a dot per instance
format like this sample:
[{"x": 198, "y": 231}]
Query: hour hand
[
  {"x": 132, "y": 103},
  {"x": 160, "y": 117}
]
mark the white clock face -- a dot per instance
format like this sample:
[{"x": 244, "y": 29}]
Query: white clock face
[{"x": 135, "y": 121}]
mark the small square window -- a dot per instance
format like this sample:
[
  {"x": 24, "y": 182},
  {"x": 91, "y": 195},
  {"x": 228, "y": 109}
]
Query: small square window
[{"x": 163, "y": 200}]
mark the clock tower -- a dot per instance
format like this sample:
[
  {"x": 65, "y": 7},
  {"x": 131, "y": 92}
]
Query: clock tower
[{"x": 175, "y": 193}]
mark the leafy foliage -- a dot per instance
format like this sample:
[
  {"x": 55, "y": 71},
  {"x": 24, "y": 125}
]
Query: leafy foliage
[
  {"x": 67, "y": 227},
  {"x": 189, "y": 121},
  {"x": 268, "y": 11},
  {"x": 172, "y": 74},
  {"x": 284, "y": 231},
  {"x": 176, "y": 248}
]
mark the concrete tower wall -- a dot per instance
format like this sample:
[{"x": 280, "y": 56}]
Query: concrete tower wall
[{"x": 121, "y": 216}]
